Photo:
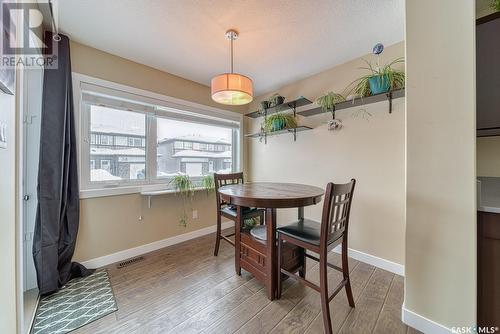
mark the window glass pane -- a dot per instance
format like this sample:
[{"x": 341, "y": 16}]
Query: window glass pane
[
  {"x": 197, "y": 157},
  {"x": 113, "y": 161}
]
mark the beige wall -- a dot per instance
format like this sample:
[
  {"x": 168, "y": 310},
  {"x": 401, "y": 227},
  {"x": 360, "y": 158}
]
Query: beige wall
[
  {"x": 488, "y": 156},
  {"x": 102, "y": 65},
  {"x": 8, "y": 217},
  {"x": 370, "y": 150},
  {"x": 440, "y": 271},
  {"x": 111, "y": 224}
]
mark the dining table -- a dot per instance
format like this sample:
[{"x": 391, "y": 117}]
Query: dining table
[{"x": 259, "y": 257}]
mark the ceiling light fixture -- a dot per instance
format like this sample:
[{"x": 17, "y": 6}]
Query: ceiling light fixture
[{"x": 232, "y": 88}]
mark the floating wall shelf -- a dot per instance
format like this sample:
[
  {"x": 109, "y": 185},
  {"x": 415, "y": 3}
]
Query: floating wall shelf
[
  {"x": 358, "y": 102},
  {"x": 279, "y": 132},
  {"x": 301, "y": 101}
]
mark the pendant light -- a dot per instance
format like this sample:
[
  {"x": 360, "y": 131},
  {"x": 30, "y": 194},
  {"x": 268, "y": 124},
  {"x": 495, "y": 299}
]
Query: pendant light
[{"x": 232, "y": 88}]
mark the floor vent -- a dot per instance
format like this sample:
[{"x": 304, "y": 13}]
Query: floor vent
[{"x": 129, "y": 262}]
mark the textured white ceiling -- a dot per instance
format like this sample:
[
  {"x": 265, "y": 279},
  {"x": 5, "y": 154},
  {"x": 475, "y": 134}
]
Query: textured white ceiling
[{"x": 280, "y": 41}]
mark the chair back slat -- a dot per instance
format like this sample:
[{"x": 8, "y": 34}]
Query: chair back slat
[
  {"x": 221, "y": 180},
  {"x": 336, "y": 211}
]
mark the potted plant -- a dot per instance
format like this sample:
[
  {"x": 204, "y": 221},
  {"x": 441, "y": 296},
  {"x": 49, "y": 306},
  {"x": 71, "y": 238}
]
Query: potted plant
[
  {"x": 279, "y": 121},
  {"x": 184, "y": 187},
  {"x": 207, "y": 182},
  {"x": 276, "y": 99},
  {"x": 380, "y": 79},
  {"x": 328, "y": 101}
]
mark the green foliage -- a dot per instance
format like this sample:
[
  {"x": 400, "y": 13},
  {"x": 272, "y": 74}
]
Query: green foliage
[
  {"x": 208, "y": 183},
  {"x": 288, "y": 120},
  {"x": 183, "y": 186},
  {"x": 495, "y": 5},
  {"x": 328, "y": 101},
  {"x": 250, "y": 222},
  {"x": 396, "y": 77}
]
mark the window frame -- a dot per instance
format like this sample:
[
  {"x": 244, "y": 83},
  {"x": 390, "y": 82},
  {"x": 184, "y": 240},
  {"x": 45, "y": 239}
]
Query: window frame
[{"x": 157, "y": 102}]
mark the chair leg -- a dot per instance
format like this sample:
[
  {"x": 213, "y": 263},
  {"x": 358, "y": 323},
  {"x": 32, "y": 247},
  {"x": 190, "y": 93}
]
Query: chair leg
[
  {"x": 302, "y": 270},
  {"x": 323, "y": 284},
  {"x": 217, "y": 235},
  {"x": 278, "y": 288},
  {"x": 345, "y": 272}
]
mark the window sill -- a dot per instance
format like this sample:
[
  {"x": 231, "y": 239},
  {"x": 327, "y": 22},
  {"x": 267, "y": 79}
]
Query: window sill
[{"x": 142, "y": 190}]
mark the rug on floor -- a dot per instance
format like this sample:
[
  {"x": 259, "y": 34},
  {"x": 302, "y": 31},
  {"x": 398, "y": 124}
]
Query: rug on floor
[{"x": 80, "y": 302}]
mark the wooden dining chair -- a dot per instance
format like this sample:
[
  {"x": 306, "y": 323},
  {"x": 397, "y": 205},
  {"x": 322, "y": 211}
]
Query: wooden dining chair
[
  {"x": 320, "y": 238},
  {"x": 228, "y": 211}
]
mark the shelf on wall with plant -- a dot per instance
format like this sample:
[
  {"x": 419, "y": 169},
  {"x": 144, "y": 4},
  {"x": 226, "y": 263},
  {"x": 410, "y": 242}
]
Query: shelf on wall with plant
[
  {"x": 380, "y": 84},
  {"x": 277, "y": 124},
  {"x": 276, "y": 103}
]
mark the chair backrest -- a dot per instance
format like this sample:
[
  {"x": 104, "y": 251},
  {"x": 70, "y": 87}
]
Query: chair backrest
[
  {"x": 336, "y": 211},
  {"x": 224, "y": 180}
]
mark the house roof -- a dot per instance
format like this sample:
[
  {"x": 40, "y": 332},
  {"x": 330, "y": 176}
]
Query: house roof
[
  {"x": 202, "y": 154},
  {"x": 197, "y": 139},
  {"x": 123, "y": 152}
]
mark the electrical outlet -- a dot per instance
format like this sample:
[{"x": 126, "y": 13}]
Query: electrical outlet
[{"x": 195, "y": 214}]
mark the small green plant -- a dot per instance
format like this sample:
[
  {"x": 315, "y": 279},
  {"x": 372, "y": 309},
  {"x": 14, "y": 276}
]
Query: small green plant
[
  {"x": 394, "y": 77},
  {"x": 184, "y": 187},
  {"x": 208, "y": 183},
  {"x": 328, "y": 101},
  {"x": 276, "y": 99},
  {"x": 495, "y": 5},
  {"x": 279, "y": 121}
]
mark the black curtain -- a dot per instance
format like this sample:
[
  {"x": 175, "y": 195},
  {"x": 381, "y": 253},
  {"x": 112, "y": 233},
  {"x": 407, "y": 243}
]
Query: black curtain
[{"x": 58, "y": 209}]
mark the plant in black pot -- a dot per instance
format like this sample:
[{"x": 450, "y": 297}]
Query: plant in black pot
[
  {"x": 279, "y": 121},
  {"x": 379, "y": 79},
  {"x": 276, "y": 99}
]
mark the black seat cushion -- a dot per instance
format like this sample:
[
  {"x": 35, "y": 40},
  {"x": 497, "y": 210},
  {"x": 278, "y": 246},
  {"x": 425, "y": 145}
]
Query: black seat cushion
[
  {"x": 231, "y": 210},
  {"x": 308, "y": 231}
]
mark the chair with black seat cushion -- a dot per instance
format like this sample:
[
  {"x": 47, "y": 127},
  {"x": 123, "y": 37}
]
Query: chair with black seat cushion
[
  {"x": 229, "y": 211},
  {"x": 320, "y": 238}
]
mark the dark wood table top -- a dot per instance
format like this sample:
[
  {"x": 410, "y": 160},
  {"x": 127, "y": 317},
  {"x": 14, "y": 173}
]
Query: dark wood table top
[{"x": 271, "y": 195}]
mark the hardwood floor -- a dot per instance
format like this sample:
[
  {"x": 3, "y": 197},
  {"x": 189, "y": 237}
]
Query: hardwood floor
[{"x": 185, "y": 289}]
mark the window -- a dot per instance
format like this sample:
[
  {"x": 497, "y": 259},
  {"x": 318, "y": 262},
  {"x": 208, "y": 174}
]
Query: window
[
  {"x": 121, "y": 141},
  {"x": 137, "y": 142},
  {"x": 106, "y": 140},
  {"x": 130, "y": 144},
  {"x": 106, "y": 165},
  {"x": 117, "y": 163},
  {"x": 191, "y": 160}
]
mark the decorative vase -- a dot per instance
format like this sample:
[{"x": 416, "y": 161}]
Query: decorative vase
[
  {"x": 278, "y": 124},
  {"x": 276, "y": 101},
  {"x": 379, "y": 84}
]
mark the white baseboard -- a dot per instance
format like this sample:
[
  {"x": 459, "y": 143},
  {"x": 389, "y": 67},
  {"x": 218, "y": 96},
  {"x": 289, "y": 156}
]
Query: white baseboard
[
  {"x": 136, "y": 251},
  {"x": 423, "y": 324},
  {"x": 378, "y": 262}
]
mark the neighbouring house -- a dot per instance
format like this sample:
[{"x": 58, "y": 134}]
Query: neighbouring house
[{"x": 193, "y": 155}]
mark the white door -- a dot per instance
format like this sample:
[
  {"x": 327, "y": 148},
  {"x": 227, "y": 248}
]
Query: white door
[
  {"x": 32, "y": 120},
  {"x": 194, "y": 169}
]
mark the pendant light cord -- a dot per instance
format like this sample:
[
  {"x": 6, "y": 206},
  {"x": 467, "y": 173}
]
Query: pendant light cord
[{"x": 232, "y": 39}]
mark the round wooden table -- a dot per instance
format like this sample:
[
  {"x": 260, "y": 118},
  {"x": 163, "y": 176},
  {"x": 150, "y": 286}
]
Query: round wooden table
[{"x": 269, "y": 196}]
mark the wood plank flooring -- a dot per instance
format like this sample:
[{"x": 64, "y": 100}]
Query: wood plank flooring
[{"x": 185, "y": 289}]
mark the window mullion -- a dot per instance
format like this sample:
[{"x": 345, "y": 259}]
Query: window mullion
[{"x": 151, "y": 149}]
